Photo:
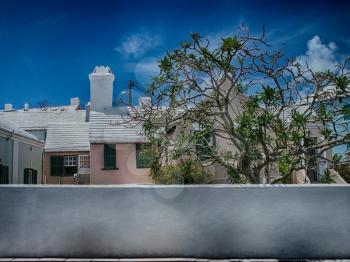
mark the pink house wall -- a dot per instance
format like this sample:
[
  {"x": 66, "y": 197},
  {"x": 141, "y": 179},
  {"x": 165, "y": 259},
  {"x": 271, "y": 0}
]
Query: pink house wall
[{"x": 127, "y": 172}]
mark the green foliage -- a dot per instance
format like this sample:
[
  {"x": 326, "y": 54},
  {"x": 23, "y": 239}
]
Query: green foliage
[
  {"x": 268, "y": 130},
  {"x": 195, "y": 36},
  {"x": 165, "y": 64},
  {"x": 325, "y": 115},
  {"x": 346, "y": 110},
  {"x": 269, "y": 96},
  {"x": 230, "y": 44},
  {"x": 344, "y": 171},
  {"x": 184, "y": 172},
  {"x": 337, "y": 158},
  {"x": 341, "y": 82},
  {"x": 286, "y": 164},
  {"x": 299, "y": 119},
  {"x": 235, "y": 177},
  {"x": 326, "y": 132},
  {"x": 327, "y": 178}
]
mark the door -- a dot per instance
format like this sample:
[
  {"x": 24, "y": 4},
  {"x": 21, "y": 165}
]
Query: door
[
  {"x": 4, "y": 174},
  {"x": 30, "y": 176}
]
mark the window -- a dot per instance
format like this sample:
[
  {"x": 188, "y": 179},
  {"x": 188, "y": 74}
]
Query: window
[
  {"x": 70, "y": 165},
  {"x": 30, "y": 176},
  {"x": 203, "y": 146},
  {"x": 84, "y": 161},
  {"x": 64, "y": 165},
  {"x": 143, "y": 158},
  {"x": 70, "y": 160},
  {"x": 57, "y": 165},
  {"x": 109, "y": 156}
]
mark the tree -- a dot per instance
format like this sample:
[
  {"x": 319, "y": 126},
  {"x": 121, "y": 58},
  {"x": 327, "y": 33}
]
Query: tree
[{"x": 262, "y": 109}]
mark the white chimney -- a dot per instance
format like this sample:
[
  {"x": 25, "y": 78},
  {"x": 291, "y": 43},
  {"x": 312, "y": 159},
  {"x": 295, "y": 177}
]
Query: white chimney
[
  {"x": 8, "y": 107},
  {"x": 145, "y": 101},
  {"x": 26, "y": 106},
  {"x": 75, "y": 101},
  {"x": 101, "y": 87}
]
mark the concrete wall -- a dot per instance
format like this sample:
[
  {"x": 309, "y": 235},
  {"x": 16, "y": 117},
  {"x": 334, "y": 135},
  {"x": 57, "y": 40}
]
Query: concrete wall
[
  {"x": 175, "y": 221},
  {"x": 127, "y": 172}
]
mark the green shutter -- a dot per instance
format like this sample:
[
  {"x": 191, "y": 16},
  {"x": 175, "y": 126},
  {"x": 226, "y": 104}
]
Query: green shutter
[
  {"x": 143, "y": 159},
  {"x": 57, "y": 165},
  {"x": 109, "y": 156}
]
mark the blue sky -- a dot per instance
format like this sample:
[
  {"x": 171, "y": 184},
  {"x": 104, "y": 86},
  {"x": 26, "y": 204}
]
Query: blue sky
[{"x": 48, "y": 48}]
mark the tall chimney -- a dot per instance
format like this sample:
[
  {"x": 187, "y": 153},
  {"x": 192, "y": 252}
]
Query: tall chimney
[
  {"x": 101, "y": 87},
  {"x": 8, "y": 107},
  {"x": 26, "y": 106},
  {"x": 75, "y": 101}
]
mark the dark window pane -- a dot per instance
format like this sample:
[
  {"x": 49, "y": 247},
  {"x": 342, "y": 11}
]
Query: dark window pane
[
  {"x": 30, "y": 176},
  {"x": 143, "y": 159},
  {"x": 109, "y": 156},
  {"x": 70, "y": 170}
]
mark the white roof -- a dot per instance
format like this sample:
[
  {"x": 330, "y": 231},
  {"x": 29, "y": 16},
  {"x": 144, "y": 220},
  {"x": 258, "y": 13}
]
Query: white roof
[
  {"x": 113, "y": 126},
  {"x": 35, "y": 120},
  {"x": 67, "y": 136},
  {"x": 8, "y": 127}
]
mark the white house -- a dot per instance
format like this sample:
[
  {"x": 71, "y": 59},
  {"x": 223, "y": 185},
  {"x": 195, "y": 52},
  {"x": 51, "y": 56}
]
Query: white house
[{"x": 21, "y": 156}]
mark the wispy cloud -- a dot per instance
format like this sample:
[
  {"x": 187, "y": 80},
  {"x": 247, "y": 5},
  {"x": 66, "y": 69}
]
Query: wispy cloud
[
  {"x": 319, "y": 56},
  {"x": 146, "y": 68},
  {"x": 289, "y": 33},
  {"x": 51, "y": 20},
  {"x": 139, "y": 43}
]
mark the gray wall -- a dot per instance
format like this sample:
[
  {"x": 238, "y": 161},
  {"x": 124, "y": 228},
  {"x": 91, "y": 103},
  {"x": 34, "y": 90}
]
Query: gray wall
[
  {"x": 175, "y": 221},
  {"x": 6, "y": 153},
  {"x": 29, "y": 157}
]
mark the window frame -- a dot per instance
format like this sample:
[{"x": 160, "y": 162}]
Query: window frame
[
  {"x": 81, "y": 159},
  {"x": 70, "y": 160}
]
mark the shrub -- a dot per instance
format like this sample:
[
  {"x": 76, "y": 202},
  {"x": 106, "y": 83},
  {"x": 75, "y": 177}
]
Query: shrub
[
  {"x": 327, "y": 178},
  {"x": 184, "y": 172}
]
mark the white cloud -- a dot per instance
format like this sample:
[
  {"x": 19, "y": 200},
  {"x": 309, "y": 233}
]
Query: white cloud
[
  {"x": 139, "y": 43},
  {"x": 146, "y": 68},
  {"x": 319, "y": 56}
]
